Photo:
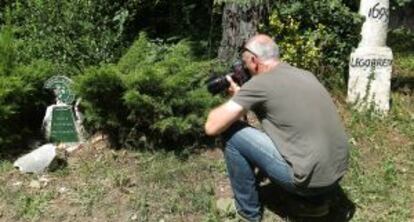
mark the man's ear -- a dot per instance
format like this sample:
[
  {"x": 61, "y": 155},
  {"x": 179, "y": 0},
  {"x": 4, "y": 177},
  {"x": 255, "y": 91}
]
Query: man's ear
[
  {"x": 254, "y": 59},
  {"x": 255, "y": 62}
]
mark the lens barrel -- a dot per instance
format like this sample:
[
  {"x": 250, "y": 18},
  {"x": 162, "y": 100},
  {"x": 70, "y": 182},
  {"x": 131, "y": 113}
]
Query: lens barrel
[
  {"x": 239, "y": 74},
  {"x": 217, "y": 84}
]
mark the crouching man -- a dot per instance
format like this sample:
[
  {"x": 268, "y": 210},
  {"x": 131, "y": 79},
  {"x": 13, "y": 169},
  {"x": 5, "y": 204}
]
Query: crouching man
[{"x": 303, "y": 148}]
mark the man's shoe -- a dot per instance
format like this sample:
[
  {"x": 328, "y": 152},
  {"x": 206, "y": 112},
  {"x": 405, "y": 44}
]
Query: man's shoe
[
  {"x": 242, "y": 218},
  {"x": 227, "y": 208}
]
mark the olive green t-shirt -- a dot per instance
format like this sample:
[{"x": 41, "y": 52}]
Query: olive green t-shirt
[{"x": 298, "y": 114}]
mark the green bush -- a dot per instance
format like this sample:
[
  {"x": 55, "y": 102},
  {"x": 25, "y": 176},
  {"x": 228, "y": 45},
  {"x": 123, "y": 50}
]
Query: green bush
[
  {"x": 11, "y": 89},
  {"x": 401, "y": 40},
  {"x": 315, "y": 35},
  {"x": 88, "y": 32},
  {"x": 7, "y": 51},
  {"x": 80, "y": 33},
  {"x": 101, "y": 90},
  {"x": 23, "y": 100},
  {"x": 154, "y": 97}
]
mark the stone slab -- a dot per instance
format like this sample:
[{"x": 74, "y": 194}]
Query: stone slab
[{"x": 369, "y": 80}]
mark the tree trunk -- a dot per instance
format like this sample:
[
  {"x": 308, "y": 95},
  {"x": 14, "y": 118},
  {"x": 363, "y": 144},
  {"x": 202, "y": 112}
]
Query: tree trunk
[{"x": 239, "y": 23}]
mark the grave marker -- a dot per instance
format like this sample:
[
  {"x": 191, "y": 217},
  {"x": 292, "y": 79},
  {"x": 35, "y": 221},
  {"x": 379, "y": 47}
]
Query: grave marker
[
  {"x": 63, "y": 127},
  {"x": 370, "y": 67},
  {"x": 60, "y": 123}
]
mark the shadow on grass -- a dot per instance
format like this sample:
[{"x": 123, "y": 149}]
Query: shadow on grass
[
  {"x": 275, "y": 198},
  {"x": 57, "y": 164}
]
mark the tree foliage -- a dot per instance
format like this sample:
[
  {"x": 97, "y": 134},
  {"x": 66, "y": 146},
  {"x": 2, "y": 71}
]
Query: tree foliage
[
  {"x": 315, "y": 35},
  {"x": 395, "y": 4},
  {"x": 243, "y": 2},
  {"x": 82, "y": 33}
]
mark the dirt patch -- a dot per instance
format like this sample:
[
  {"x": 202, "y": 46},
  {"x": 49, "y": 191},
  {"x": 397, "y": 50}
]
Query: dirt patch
[
  {"x": 213, "y": 154},
  {"x": 222, "y": 187}
]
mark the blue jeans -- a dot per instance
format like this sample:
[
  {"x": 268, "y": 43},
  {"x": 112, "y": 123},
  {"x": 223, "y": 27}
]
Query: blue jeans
[{"x": 246, "y": 148}]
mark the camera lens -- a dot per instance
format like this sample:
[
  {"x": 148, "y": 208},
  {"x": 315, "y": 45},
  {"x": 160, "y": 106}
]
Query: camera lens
[{"x": 218, "y": 84}]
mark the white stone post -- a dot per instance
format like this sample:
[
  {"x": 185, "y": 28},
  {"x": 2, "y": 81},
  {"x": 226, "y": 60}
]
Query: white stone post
[{"x": 370, "y": 67}]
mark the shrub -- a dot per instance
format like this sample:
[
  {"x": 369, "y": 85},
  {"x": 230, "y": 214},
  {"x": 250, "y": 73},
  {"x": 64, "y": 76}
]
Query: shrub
[
  {"x": 101, "y": 90},
  {"x": 11, "y": 89},
  {"x": 315, "y": 35},
  {"x": 23, "y": 100},
  {"x": 401, "y": 39},
  {"x": 7, "y": 51},
  {"x": 154, "y": 96}
]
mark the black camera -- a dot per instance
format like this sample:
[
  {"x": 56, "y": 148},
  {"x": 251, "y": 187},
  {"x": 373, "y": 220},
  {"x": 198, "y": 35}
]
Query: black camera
[{"x": 238, "y": 73}]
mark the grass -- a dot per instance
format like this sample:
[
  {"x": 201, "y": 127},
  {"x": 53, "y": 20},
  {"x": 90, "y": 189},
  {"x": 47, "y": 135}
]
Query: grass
[
  {"x": 381, "y": 179},
  {"x": 126, "y": 185},
  {"x": 381, "y": 170},
  {"x": 32, "y": 206},
  {"x": 114, "y": 186}
]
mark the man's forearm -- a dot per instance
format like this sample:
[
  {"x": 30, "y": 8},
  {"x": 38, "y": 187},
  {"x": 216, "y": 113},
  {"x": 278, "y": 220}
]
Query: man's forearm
[
  {"x": 215, "y": 123},
  {"x": 221, "y": 118}
]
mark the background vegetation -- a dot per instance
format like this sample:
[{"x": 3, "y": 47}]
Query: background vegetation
[
  {"x": 82, "y": 39},
  {"x": 98, "y": 41},
  {"x": 322, "y": 32},
  {"x": 139, "y": 67}
]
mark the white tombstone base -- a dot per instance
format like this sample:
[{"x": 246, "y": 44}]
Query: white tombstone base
[{"x": 370, "y": 78}]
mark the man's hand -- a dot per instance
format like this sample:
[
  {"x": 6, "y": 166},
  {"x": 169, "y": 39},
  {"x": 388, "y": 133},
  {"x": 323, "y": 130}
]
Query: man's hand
[{"x": 233, "y": 88}]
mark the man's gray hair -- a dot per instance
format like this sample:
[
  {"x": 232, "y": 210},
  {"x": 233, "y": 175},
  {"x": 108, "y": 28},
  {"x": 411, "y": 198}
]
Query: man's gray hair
[{"x": 264, "y": 50}]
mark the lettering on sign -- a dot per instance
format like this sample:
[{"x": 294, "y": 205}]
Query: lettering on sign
[
  {"x": 63, "y": 127},
  {"x": 362, "y": 62},
  {"x": 380, "y": 13}
]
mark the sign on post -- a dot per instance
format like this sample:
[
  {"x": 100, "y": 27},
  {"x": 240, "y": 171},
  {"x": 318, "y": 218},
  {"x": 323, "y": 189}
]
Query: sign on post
[
  {"x": 63, "y": 125},
  {"x": 370, "y": 67}
]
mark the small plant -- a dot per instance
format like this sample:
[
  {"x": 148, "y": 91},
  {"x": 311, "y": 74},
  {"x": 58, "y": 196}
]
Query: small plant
[
  {"x": 32, "y": 206},
  {"x": 5, "y": 166},
  {"x": 89, "y": 196}
]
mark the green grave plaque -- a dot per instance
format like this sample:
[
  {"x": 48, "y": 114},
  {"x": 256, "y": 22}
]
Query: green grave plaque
[
  {"x": 63, "y": 127},
  {"x": 61, "y": 88}
]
